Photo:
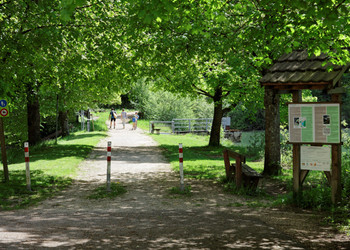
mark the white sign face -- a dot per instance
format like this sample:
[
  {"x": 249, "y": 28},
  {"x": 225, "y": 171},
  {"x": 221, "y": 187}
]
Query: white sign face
[{"x": 315, "y": 158}]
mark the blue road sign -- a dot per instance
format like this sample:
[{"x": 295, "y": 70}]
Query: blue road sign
[{"x": 3, "y": 103}]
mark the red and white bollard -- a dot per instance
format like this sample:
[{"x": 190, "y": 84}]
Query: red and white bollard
[
  {"x": 181, "y": 167},
  {"x": 109, "y": 158},
  {"x": 26, "y": 159}
]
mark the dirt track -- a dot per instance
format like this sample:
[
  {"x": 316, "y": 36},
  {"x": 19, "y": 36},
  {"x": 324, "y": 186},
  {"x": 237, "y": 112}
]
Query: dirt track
[{"x": 148, "y": 217}]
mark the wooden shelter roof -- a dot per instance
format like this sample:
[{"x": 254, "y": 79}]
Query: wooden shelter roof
[{"x": 298, "y": 70}]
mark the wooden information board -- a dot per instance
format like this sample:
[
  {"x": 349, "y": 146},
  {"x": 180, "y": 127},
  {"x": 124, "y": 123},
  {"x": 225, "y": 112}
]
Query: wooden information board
[{"x": 314, "y": 123}]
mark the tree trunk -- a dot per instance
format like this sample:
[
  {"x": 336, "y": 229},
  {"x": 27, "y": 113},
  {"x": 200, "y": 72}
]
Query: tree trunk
[
  {"x": 33, "y": 116},
  {"x": 63, "y": 120},
  {"x": 272, "y": 133},
  {"x": 218, "y": 113}
]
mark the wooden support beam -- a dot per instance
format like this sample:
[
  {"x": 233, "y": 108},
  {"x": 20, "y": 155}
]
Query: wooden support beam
[
  {"x": 303, "y": 174},
  {"x": 296, "y": 155},
  {"x": 328, "y": 176},
  {"x": 336, "y": 164},
  {"x": 228, "y": 169}
]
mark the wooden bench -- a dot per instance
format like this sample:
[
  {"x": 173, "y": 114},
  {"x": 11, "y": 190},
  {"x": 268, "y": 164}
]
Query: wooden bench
[
  {"x": 240, "y": 172},
  {"x": 155, "y": 129}
]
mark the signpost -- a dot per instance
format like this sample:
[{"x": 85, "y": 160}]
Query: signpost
[
  {"x": 316, "y": 124},
  {"x": 3, "y": 113}
]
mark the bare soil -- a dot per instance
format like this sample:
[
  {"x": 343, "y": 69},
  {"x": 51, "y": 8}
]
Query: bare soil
[{"x": 148, "y": 216}]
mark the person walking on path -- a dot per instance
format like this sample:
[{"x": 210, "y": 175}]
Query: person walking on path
[
  {"x": 134, "y": 121},
  {"x": 112, "y": 117},
  {"x": 123, "y": 117}
]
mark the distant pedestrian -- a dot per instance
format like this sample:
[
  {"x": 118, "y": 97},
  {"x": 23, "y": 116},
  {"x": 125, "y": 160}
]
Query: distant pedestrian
[
  {"x": 133, "y": 122},
  {"x": 137, "y": 118},
  {"x": 112, "y": 117},
  {"x": 123, "y": 116}
]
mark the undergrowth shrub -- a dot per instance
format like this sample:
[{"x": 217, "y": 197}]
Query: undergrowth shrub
[{"x": 286, "y": 149}]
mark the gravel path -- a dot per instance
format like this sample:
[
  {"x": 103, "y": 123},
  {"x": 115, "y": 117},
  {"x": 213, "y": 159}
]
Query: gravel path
[{"x": 149, "y": 217}]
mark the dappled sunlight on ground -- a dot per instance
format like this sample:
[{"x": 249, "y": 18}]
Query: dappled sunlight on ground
[{"x": 148, "y": 215}]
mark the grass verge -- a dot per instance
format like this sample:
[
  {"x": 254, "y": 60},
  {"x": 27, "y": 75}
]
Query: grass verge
[
  {"x": 101, "y": 191},
  {"x": 52, "y": 167}
]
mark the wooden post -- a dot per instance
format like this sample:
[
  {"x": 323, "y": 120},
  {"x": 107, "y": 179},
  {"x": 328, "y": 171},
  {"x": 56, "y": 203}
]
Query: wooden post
[
  {"x": 238, "y": 172},
  {"x": 26, "y": 159},
  {"x": 227, "y": 165},
  {"x": 296, "y": 156},
  {"x": 336, "y": 163},
  {"x": 181, "y": 167},
  {"x": 109, "y": 158},
  {"x": 3, "y": 151}
]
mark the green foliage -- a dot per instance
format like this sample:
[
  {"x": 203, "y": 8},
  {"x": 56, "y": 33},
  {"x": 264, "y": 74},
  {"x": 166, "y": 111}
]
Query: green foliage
[
  {"x": 100, "y": 123},
  {"x": 102, "y": 193},
  {"x": 346, "y": 164},
  {"x": 14, "y": 194},
  {"x": 286, "y": 149},
  {"x": 256, "y": 146},
  {"x": 165, "y": 106},
  {"x": 247, "y": 119}
]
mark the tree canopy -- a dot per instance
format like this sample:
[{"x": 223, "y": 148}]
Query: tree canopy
[{"x": 83, "y": 50}]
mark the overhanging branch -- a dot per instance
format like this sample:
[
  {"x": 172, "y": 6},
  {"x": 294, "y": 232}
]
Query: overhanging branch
[{"x": 202, "y": 92}]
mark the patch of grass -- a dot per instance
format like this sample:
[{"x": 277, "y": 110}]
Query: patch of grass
[
  {"x": 14, "y": 194},
  {"x": 200, "y": 160},
  {"x": 102, "y": 193},
  {"x": 245, "y": 191},
  {"x": 100, "y": 123},
  {"x": 51, "y": 166},
  {"x": 61, "y": 159},
  {"x": 177, "y": 191}
]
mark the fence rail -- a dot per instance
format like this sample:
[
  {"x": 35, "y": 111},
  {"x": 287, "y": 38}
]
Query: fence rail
[{"x": 182, "y": 125}]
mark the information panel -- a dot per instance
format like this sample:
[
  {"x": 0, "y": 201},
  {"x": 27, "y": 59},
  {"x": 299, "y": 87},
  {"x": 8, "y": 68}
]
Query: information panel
[
  {"x": 314, "y": 123},
  {"x": 315, "y": 158}
]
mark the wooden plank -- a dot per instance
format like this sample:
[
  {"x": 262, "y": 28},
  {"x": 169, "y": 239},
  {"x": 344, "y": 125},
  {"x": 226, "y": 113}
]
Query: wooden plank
[
  {"x": 316, "y": 143},
  {"x": 236, "y": 155},
  {"x": 296, "y": 154},
  {"x": 249, "y": 171},
  {"x": 336, "y": 164},
  {"x": 238, "y": 174},
  {"x": 339, "y": 90},
  {"x": 227, "y": 165},
  {"x": 303, "y": 174},
  {"x": 270, "y": 84},
  {"x": 296, "y": 168}
]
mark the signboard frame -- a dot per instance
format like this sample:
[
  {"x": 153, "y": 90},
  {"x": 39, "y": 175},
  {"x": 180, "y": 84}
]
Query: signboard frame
[{"x": 314, "y": 123}]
